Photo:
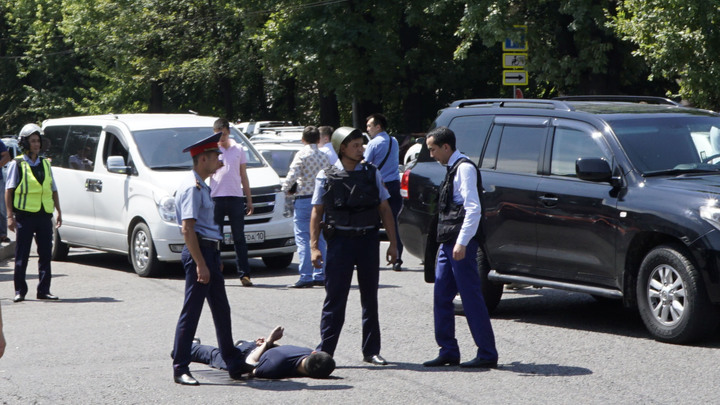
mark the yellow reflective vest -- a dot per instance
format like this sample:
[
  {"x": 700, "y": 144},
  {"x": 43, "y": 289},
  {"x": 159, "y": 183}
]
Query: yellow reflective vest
[{"x": 30, "y": 195}]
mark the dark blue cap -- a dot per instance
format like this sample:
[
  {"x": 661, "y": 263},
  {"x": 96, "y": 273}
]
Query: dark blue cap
[{"x": 209, "y": 144}]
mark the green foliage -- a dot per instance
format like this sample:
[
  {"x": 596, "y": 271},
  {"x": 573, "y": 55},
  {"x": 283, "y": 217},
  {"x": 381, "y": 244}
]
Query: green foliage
[{"x": 679, "y": 39}]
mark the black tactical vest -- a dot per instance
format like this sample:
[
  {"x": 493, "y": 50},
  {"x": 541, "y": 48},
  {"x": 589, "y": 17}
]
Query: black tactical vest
[
  {"x": 450, "y": 213},
  {"x": 351, "y": 198}
]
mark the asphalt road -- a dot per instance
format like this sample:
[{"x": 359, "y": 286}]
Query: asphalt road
[{"x": 107, "y": 341}]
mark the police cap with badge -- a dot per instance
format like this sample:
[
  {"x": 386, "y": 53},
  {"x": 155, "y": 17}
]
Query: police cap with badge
[{"x": 209, "y": 144}]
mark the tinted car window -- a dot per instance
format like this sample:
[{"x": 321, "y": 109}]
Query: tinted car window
[
  {"x": 569, "y": 145},
  {"x": 520, "y": 148},
  {"x": 279, "y": 160},
  {"x": 162, "y": 149},
  {"x": 470, "y": 134}
]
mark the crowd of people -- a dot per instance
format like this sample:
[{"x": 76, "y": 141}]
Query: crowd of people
[{"x": 342, "y": 191}]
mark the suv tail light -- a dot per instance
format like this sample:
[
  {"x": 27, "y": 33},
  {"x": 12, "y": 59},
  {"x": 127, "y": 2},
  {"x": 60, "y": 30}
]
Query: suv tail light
[{"x": 404, "y": 184}]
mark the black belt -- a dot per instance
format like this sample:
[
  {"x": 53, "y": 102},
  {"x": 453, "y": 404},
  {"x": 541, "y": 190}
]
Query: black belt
[
  {"x": 355, "y": 232},
  {"x": 300, "y": 197},
  {"x": 208, "y": 243}
]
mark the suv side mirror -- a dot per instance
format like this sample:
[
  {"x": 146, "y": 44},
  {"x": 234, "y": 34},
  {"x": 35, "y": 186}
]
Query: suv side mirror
[
  {"x": 116, "y": 164},
  {"x": 593, "y": 169}
]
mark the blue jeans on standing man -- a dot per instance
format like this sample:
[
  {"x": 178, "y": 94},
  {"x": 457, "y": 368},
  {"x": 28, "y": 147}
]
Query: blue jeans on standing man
[
  {"x": 234, "y": 209},
  {"x": 303, "y": 209}
]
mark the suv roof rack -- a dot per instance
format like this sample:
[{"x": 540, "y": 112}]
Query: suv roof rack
[
  {"x": 630, "y": 99},
  {"x": 513, "y": 103}
]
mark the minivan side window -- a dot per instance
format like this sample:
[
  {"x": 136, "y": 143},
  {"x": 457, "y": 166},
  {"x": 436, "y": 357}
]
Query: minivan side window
[
  {"x": 568, "y": 146},
  {"x": 72, "y": 147},
  {"x": 470, "y": 134},
  {"x": 520, "y": 148},
  {"x": 114, "y": 147}
]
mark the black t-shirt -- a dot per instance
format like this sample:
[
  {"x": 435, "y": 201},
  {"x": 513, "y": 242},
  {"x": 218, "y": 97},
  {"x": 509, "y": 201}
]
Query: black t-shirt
[{"x": 281, "y": 361}]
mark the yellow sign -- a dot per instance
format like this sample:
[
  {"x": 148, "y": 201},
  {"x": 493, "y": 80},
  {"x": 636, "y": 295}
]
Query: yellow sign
[
  {"x": 515, "y": 78},
  {"x": 514, "y": 60}
]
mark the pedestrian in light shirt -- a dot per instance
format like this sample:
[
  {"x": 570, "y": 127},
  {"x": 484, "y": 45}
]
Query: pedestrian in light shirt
[{"x": 303, "y": 170}]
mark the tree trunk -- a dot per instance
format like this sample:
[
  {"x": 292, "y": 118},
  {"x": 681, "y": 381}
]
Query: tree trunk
[
  {"x": 329, "y": 112},
  {"x": 156, "y": 97},
  {"x": 226, "y": 96}
]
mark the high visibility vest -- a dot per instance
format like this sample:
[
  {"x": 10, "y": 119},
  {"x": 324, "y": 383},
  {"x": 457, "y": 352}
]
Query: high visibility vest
[{"x": 30, "y": 195}]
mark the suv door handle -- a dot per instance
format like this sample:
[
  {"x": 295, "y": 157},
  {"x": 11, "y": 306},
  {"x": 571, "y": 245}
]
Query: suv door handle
[
  {"x": 94, "y": 185},
  {"x": 548, "y": 200}
]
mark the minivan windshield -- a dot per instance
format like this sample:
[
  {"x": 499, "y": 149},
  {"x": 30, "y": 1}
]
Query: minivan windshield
[
  {"x": 162, "y": 148},
  {"x": 670, "y": 145}
]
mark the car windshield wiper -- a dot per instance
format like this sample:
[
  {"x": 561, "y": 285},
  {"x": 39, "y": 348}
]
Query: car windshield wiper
[
  {"x": 676, "y": 172},
  {"x": 170, "y": 167}
]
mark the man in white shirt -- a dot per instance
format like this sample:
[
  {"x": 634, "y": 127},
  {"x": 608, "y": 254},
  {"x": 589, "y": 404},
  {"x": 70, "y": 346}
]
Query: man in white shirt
[
  {"x": 456, "y": 271},
  {"x": 325, "y": 146}
]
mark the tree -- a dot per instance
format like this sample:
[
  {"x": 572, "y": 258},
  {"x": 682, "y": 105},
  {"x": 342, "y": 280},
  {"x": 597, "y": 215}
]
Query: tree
[{"x": 679, "y": 40}]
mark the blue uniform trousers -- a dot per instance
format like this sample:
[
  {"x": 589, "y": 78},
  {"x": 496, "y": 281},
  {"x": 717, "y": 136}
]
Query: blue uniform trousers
[
  {"x": 234, "y": 208},
  {"x": 195, "y": 295},
  {"x": 343, "y": 254},
  {"x": 396, "y": 204},
  {"x": 462, "y": 276},
  {"x": 27, "y": 226}
]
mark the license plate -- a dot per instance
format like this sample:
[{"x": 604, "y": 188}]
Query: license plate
[{"x": 250, "y": 237}]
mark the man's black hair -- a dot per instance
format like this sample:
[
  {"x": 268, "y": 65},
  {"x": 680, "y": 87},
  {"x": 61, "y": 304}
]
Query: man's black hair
[
  {"x": 221, "y": 123},
  {"x": 311, "y": 134},
  {"x": 442, "y": 136},
  {"x": 319, "y": 365},
  {"x": 378, "y": 119}
]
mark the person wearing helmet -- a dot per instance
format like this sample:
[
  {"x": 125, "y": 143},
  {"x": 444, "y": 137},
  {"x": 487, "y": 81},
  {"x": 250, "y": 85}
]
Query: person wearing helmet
[
  {"x": 348, "y": 203},
  {"x": 30, "y": 199}
]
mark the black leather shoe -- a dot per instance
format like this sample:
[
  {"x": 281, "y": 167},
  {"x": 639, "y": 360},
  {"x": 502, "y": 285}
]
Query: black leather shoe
[
  {"x": 46, "y": 296},
  {"x": 186, "y": 379},
  {"x": 319, "y": 283},
  {"x": 479, "y": 363},
  {"x": 300, "y": 284},
  {"x": 19, "y": 298},
  {"x": 376, "y": 360},
  {"x": 440, "y": 361},
  {"x": 398, "y": 265}
]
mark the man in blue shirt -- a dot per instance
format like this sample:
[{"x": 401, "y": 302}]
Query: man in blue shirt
[
  {"x": 4, "y": 159},
  {"x": 201, "y": 260},
  {"x": 383, "y": 151},
  {"x": 270, "y": 360}
]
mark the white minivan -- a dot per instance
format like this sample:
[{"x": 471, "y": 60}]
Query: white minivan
[{"x": 116, "y": 175}]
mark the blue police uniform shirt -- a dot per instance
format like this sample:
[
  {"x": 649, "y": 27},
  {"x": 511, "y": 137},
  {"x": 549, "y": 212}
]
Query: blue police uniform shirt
[
  {"x": 375, "y": 152},
  {"x": 12, "y": 173},
  {"x": 193, "y": 201},
  {"x": 320, "y": 182}
]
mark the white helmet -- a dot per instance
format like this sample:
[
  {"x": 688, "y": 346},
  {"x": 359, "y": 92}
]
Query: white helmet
[{"x": 30, "y": 129}]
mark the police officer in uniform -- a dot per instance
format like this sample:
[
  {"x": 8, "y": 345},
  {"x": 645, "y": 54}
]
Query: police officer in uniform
[
  {"x": 349, "y": 200},
  {"x": 30, "y": 199},
  {"x": 201, "y": 260},
  {"x": 458, "y": 232}
]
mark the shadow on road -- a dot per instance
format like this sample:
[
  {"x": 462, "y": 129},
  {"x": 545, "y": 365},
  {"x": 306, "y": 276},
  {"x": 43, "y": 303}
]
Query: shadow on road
[
  {"x": 525, "y": 369},
  {"x": 219, "y": 377}
]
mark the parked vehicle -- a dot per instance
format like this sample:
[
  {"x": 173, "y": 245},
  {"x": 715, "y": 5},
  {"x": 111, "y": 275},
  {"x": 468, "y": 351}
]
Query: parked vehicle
[
  {"x": 617, "y": 197},
  {"x": 121, "y": 198}
]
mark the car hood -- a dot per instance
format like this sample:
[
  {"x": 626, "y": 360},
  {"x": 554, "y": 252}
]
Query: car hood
[{"x": 693, "y": 183}]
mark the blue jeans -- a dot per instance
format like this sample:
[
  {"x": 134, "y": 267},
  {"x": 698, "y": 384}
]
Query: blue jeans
[
  {"x": 303, "y": 209},
  {"x": 234, "y": 208}
]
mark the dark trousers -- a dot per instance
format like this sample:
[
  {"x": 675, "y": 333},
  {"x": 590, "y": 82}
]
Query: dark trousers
[
  {"x": 343, "y": 254},
  {"x": 396, "y": 204},
  {"x": 27, "y": 226},
  {"x": 195, "y": 295},
  {"x": 234, "y": 208},
  {"x": 452, "y": 276}
]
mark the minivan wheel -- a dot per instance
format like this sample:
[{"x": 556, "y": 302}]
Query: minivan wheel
[
  {"x": 278, "y": 262},
  {"x": 142, "y": 252},
  {"x": 59, "y": 249},
  {"x": 492, "y": 291},
  {"x": 671, "y": 297}
]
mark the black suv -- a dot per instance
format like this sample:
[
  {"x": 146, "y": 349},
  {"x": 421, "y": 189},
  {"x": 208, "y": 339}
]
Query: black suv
[{"x": 617, "y": 197}]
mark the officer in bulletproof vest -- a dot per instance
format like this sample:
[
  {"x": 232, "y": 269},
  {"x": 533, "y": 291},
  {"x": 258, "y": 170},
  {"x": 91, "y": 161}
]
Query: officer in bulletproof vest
[{"x": 350, "y": 199}]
